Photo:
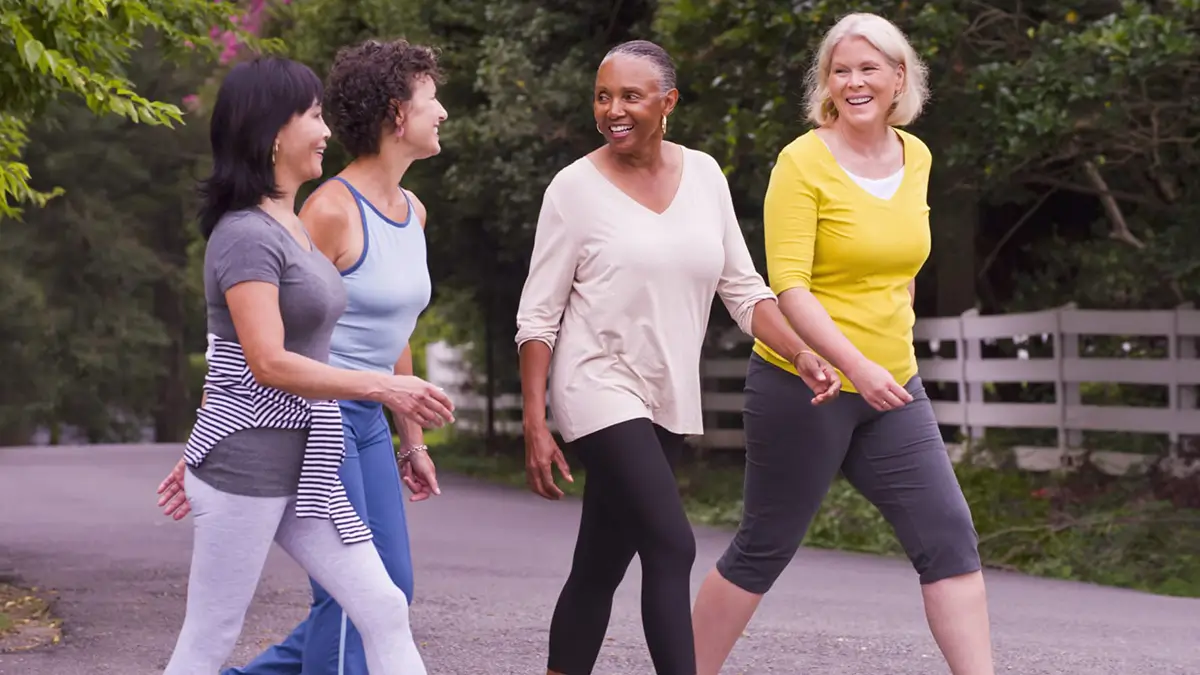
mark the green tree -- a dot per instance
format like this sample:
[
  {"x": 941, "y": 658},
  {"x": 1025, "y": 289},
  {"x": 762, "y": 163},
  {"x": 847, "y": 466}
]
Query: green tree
[
  {"x": 104, "y": 269},
  {"x": 519, "y": 85},
  {"x": 1031, "y": 102},
  {"x": 57, "y": 47}
]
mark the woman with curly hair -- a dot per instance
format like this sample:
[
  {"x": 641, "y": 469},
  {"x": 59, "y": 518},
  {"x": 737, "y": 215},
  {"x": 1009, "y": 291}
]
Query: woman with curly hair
[{"x": 381, "y": 103}]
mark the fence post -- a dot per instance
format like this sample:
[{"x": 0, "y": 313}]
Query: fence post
[
  {"x": 1180, "y": 346},
  {"x": 971, "y": 391},
  {"x": 1066, "y": 346},
  {"x": 960, "y": 354}
]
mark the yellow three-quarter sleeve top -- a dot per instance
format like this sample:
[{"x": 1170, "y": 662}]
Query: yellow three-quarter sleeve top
[{"x": 855, "y": 252}]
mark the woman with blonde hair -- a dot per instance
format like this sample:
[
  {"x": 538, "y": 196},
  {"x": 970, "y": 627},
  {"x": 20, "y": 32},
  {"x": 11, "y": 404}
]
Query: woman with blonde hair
[{"x": 847, "y": 229}]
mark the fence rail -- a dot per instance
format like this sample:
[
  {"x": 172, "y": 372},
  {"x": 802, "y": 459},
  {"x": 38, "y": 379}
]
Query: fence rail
[{"x": 1067, "y": 352}]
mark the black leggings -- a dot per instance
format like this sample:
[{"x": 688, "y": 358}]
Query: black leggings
[{"x": 631, "y": 505}]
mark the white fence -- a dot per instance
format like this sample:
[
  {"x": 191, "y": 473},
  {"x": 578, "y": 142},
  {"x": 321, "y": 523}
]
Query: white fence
[{"x": 1059, "y": 349}]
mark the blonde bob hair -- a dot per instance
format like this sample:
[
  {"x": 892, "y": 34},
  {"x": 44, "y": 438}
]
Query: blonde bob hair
[{"x": 890, "y": 41}]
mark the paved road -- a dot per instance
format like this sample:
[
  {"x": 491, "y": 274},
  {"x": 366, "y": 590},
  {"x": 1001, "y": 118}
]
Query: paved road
[{"x": 489, "y": 564}]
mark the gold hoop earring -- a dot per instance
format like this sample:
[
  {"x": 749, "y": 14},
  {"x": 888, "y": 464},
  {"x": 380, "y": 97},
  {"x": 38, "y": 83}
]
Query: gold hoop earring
[
  {"x": 274, "y": 150},
  {"x": 664, "y": 124}
]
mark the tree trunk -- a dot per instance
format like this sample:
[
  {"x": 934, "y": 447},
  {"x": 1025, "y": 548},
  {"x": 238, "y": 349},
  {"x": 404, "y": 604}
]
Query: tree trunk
[
  {"x": 170, "y": 413},
  {"x": 954, "y": 220},
  {"x": 174, "y": 399},
  {"x": 489, "y": 312}
]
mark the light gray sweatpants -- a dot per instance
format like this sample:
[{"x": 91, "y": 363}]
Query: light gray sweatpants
[{"x": 233, "y": 534}]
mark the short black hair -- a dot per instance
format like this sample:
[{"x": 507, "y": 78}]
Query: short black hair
[
  {"x": 366, "y": 84},
  {"x": 256, "y": 99},
  {"x": 644, "y": 49}
]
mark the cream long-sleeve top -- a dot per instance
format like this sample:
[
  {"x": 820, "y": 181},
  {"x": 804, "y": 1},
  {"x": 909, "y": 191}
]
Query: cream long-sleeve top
[{"x": 622, "y": 295}]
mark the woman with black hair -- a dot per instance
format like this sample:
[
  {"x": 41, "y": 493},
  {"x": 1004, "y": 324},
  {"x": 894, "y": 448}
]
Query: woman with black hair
[
  {"x": 381, "y": 101},
  {"x": 262, "y": 459}
]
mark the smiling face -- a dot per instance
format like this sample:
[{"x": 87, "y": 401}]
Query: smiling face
[
  {"x": 417, "y": 124},
  {"x": 628, "y": 103},
  {"x": 301, "y": 146},
  {"x": 863, "y": 83}
]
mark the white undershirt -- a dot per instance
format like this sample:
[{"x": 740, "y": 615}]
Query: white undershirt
[{"x": 883, "y": 188}]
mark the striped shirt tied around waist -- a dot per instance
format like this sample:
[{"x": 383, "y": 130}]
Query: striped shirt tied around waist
[{"x": 236, "y": 402}]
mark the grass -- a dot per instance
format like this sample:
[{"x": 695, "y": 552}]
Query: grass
[{"x": 1083, "y": 526}]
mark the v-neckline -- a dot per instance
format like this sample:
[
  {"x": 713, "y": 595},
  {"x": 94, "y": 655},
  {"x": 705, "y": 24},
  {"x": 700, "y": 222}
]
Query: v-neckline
[
  {"x": 683, "y": 173},
  {"x": 312, "y": 246},
  {"x": 850, "y": 177}
]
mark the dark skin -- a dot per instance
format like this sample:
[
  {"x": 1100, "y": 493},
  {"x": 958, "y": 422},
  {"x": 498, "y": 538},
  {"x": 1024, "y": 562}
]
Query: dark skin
[{"x": 629, "y": 106}]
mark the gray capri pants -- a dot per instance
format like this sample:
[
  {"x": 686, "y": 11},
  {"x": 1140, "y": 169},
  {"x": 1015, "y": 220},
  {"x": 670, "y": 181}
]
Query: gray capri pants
[{"x": 896, "y": 459}]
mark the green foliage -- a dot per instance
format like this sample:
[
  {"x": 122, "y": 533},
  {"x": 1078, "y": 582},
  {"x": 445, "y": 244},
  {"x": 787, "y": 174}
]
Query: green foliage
[
  {"x": 1027, "y": 99},
  {"x": 98, "y": 315},
  {"x": 24, "y": 321},
  {"x": 82, "y": 47},
  {"x": 452, "y": 317},
  {"x": 518, "y": 92}
]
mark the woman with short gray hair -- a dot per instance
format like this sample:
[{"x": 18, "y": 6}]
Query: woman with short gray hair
[{"x": 632, "y": 243}]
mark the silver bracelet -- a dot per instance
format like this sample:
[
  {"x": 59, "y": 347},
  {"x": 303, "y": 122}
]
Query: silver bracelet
[{"x": 405, "y": 455}]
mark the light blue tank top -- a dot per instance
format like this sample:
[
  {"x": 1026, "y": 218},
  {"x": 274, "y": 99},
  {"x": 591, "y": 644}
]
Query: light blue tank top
[{"x": 386, "y": 290}]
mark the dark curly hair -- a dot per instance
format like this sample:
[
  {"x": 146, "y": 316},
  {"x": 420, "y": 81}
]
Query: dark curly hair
[{"x": 366, "y": 84}]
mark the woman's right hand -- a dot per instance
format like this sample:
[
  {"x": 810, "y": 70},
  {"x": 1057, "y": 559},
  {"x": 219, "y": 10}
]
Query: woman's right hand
[
  {"x": 417, "y": 400},
  {"x": 171, "y": 494},
  {"x": 878, "y": 388},
  {"x": 541, "y": 452}
]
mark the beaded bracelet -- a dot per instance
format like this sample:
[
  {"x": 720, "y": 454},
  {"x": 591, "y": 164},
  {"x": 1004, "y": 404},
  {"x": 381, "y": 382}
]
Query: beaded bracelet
[{"x": 405, "y": 455}]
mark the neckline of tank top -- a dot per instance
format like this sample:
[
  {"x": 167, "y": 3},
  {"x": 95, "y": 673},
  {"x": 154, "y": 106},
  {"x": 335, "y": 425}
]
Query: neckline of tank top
[{"x": 361, "y": 199}]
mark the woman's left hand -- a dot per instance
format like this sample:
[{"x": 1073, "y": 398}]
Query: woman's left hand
[
  {"x": 420, "y": 475},
  {"x": 819, "y": 376}
]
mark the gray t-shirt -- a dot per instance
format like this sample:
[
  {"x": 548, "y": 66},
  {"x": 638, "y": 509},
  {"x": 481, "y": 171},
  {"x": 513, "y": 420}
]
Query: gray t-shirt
[{"x": 252, "y": 246}]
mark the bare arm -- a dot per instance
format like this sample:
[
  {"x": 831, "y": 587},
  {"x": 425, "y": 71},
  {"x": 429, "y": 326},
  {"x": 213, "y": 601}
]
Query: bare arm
[
  {"x": 816, "y": 328},
  {"x": 535, "y": 368},
  {"x": 543, "y": 301},
  {"x": 912, "y": 293},
  {"x": 328, "y": 216},
  {"x": 254, "y": 307},
  {"x": 770, "y": 326},
  {"x": 411, "y": 433},
  {"x": 418, "y": 207}
]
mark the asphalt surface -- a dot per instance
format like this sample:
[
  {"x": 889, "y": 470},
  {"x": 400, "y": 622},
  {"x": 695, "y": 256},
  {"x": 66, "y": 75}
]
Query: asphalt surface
[{"x": 489, "y": 564}]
